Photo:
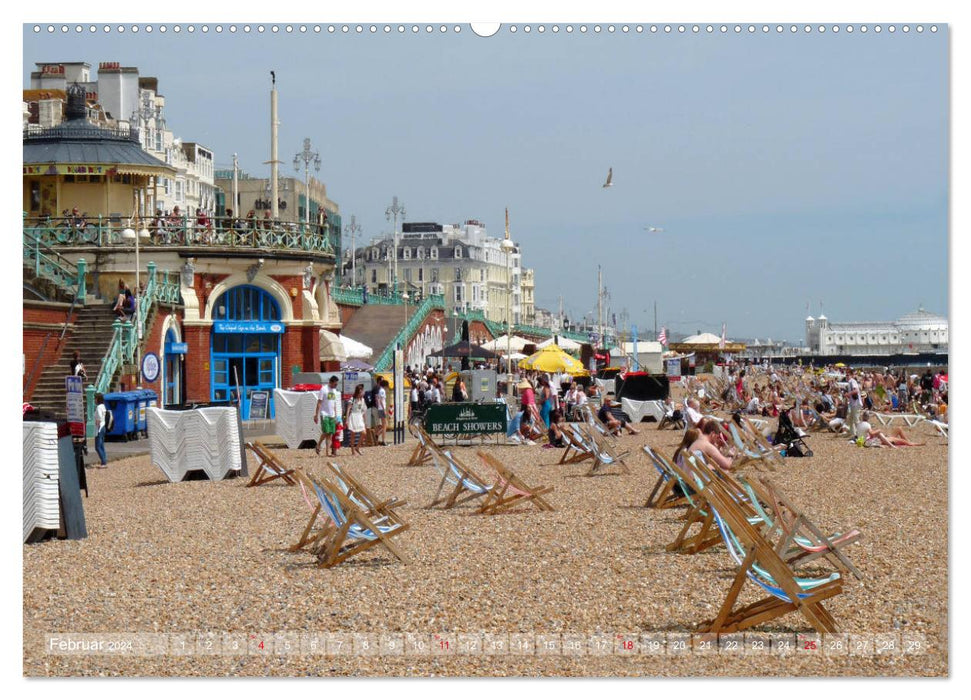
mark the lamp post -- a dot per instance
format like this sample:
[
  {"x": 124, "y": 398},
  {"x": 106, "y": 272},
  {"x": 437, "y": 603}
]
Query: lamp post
[
  {"x": 508, "y": 247},
  {"x": 352, "y": 229},
  {"x": 306, "y": 156},
  {"x": 392, "y": 213},
  {"x": 130, "y": 234}
]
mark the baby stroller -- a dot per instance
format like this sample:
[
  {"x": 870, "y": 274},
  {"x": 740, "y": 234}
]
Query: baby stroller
[{"x": 787, "y": 435}]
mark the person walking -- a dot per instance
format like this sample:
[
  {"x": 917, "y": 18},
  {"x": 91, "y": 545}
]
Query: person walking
[
  {"x": 854, "y": 402},
  {"x": 100, "y": 428},
  {"x": 381, "y": 406},
  {"x": 328, "y": 413},
  {"x": 355, "y": 419}
]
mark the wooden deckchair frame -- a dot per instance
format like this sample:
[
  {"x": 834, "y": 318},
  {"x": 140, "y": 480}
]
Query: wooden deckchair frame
[
  {"x": 576, "y": 450},
  {"x": 362, "y": 496},
  {"x": 271, "y": 467},
  {"x": 333, "y": 545},
  {"x": 662, "y": 495},
  {"x": 758, "y": 550},
  {"x": 510, "y": 491},
  {"x": 699, "y": 513},
  {"x": 460, "y": 481},
  {"x": 603, "y": 447},
  {"x": 756, "y": 441},
  {"x": 422, "y": 454}
]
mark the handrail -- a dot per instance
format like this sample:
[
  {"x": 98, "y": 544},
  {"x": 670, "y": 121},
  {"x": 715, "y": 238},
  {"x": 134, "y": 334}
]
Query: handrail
[
  {"x": 51, "y": 265},
  {"x": 354, "y": 296},
  {"x": 433, "y": 301},
  {"x": 184, "y": 232}
]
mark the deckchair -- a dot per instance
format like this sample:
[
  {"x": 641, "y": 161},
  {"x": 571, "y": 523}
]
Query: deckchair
[
  {"x": 362, "y": 497},
  {"x": 510, "y": 491},
  {"x": 663, "y": 495},
  {"x": 576, "y": 448},
  {"x": 459, "y": 477},
  {"x": 271, "y": 467},
  {"x": 757, "y": 444},
  {"x": 603, "y": 453},
  {"x": 593, "y": 420},
  {"x": 422, "y": 454},
  {"x": 761, "y": 564},
  {"x": 351, "y": 531}
]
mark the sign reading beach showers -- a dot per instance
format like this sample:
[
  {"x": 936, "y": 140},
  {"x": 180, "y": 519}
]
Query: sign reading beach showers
[{"x": 465, "y": 419}]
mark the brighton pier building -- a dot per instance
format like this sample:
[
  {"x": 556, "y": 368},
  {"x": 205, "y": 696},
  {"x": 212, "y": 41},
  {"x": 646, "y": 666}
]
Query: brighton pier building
[
  {"x": 224, "y": 303},
  {"x": 920, "y": 332}
]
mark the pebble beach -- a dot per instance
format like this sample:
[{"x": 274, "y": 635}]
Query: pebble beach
[{"x": 201, "y": 558}]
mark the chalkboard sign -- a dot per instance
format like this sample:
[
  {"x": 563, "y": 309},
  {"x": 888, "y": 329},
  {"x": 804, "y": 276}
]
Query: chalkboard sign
[{"x": 259, "y": 404}]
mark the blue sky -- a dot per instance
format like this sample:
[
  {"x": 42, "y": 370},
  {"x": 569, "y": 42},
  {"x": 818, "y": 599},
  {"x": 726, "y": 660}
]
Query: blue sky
[{"x": 784, "y": 169}]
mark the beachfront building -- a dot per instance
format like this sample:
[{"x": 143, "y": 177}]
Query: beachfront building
[
  {"x": 460, "y": 262},
  {"x": 253, "y": 201},
  {"x": 119, "y": 97},
  {"x": 529, "y": 301},
  {"x": 917, "y": 332},
  {"x": 225, "y": 307}
]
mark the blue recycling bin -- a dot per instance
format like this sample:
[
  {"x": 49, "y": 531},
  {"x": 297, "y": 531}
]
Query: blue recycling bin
[
  {"x": 124, "y": 407},
  {"x": 146, "y": 399}
]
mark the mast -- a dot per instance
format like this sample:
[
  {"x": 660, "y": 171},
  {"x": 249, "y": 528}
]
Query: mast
[{"x": 600, "y": 306}]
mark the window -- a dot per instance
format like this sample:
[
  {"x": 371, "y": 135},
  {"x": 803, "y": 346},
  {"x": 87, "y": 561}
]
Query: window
[
  {"x": 421, "y": 273},
  {"x": 482, "y": 274},
  {"x": 406, "y": 253},
  {"x": 408, "y": 274},
  {"x": 434, "y": 274},
  {"x": 459, "y": 293},
  {"x": 458, "y": 274},
  {"x": 421, "y": 253},
  {"x": 374, "y": 276},
  {"x": 458, "y": 251},
  {"x": 434, "y": 252}
]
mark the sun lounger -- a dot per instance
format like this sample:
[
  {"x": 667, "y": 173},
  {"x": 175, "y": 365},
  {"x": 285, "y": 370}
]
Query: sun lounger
[
  {"x": 510, "y": 491},
  {"x": 271, "y": 467}
]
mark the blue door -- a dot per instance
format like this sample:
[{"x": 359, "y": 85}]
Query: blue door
[{"x": 245, "y": 345}]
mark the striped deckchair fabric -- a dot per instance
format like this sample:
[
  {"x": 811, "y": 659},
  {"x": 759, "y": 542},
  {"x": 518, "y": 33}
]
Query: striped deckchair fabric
[
  {"x": 604, "y": 454},
  {"x": 349, "y": 530},
  {"x": 422, "y": 454},
  {"x": 459, "y": 483},
  {"x": 510, "y": 491},
  {"x": 271, "y": 467},
  {"x": 663, "y": 495}
]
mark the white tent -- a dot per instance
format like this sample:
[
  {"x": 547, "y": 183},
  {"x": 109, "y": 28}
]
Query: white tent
[
  {"x": 331, "y": 347},
  {"x": 562, "y": 343},
  {"x": 516, "y": 344},
  {"x": 356, "y": 350}
]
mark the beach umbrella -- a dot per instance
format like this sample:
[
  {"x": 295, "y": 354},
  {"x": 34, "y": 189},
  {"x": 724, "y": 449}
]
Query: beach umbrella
[
  {"x": 331, "y": 347},
  {"x": 516, "y": 344},
  {"x": 465, "y": 350},
  {"x": 357, "y": 365},
  {"x": 553, "y": 359},
  {"x": 355, "y": 350},
  {"x": 560, "y": 342},
  {"x": 839, "y": 364}
]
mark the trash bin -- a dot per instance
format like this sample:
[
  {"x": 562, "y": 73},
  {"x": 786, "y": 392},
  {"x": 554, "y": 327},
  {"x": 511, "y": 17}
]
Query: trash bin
[
  {"x": 124, "y": 407},
  {"x": 146, "y": 399}
]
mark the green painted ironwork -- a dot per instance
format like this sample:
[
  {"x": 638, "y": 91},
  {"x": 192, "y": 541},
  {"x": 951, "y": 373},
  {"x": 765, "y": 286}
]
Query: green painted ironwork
[
  {"x": 434, "y": 301},
  {"x": 50, "y": 265},
  {"x": 354, "y": 296},
  {"x": 186, "y": 232}
]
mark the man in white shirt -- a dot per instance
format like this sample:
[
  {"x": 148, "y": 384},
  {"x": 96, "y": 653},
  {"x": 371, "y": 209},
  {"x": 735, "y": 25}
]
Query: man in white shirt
[
  {"x": 381, "y": 406},
  {"x": 328, "y": 414},
  {"x": 854, "y": 402},
  {"x": 692, "y": 413},
  {"x": 100, "y": 428}
]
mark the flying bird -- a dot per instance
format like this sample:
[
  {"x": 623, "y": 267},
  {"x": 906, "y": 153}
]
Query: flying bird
[
  {"x": 610, "y": 178},
  {"x": 653, "y": 229}
]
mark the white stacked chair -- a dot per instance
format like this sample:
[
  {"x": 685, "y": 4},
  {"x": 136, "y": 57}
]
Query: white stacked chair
[
  {"x": 41, "y": 503},
  {"x": 295, "y": 416},
  {"x": 203, "y": 439}
]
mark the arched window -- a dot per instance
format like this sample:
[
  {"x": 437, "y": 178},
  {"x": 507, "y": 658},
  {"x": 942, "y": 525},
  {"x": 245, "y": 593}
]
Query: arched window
[{"x": 246, "y": 303}]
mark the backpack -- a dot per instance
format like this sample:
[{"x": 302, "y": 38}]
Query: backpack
[
  {"x": 109, "y": 421},
  {"x": 369, "y": 398}
]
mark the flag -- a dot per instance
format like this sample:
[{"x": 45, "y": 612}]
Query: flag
[
  {"x": 662, "y": 337},
  {"x": 721, "y": 343}
]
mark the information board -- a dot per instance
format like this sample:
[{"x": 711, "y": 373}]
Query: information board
[
  {"x": 75, "y": 405},
  {"x": 259, "y": 405}
]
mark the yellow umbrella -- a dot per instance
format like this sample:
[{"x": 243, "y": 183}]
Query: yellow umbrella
[
  {"x": 553, "y": 359},
  {"x": 839, "y": 364}
]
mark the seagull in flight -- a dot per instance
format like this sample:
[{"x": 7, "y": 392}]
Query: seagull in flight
[
  {"x": 653, "y": 229},
  {"x": 610, "y": 178}
]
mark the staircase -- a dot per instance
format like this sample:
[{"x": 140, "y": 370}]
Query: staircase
[
  {"x": 91, "y": 337},
  {"x": 376, "y": 325}
]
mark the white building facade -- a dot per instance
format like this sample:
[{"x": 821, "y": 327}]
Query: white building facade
[
  {"x": 917, "y": 332},
  {"x": 127, "y": 99}
]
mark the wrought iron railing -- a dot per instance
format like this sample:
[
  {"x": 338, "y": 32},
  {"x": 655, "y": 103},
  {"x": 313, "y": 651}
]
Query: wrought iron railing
[
  {"x": 184, "y": 232},
  {"x": 354, "y": 296},
  {"x": 48, "y": 264},
  {"x": 415, "y": 319},
  {"x": 121, "y": 349}
]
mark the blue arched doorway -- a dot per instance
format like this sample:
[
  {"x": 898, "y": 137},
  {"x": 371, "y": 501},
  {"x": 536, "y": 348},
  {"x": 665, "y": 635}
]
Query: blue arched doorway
[{"x": 246, "y": 332}]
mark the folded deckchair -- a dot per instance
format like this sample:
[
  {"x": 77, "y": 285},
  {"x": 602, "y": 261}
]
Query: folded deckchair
[
  {"x": 760, "y": 563},
  {"x": 459, "y": 477},
  {"x": 663, "y": 494},
  {"x": 510, "y": 491},
  {"x": 271, "y": 467},
  {"x": 350, "y": 530},
  {"x": 422, "y": 453},
  {"x": 604, "y": 454}
]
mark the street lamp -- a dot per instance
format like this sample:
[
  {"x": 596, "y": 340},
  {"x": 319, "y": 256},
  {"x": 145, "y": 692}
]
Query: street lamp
[
  {"x": 391, "y": 213},
  {"x": 306, "y": 156},
  {"x": 352, "y": 229},
  {"x": 508, "y": 247},
  {"x": 129, "y": 234}
]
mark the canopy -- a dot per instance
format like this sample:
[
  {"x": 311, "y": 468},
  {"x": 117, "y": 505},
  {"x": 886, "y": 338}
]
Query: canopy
[
  {"x": 553, "y": 359},
  {"x": 356, "y": 365},
  {"x": 464, "y": 348},
  {"x": 561, "y": 342},
  {"x": 355, "y": 350},
  {"x": 331, "y": 347},
  {"x": 516, "y": 344}
]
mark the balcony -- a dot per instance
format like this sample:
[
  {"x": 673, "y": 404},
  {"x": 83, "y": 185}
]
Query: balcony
[{"x": 205, "y": 236}]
